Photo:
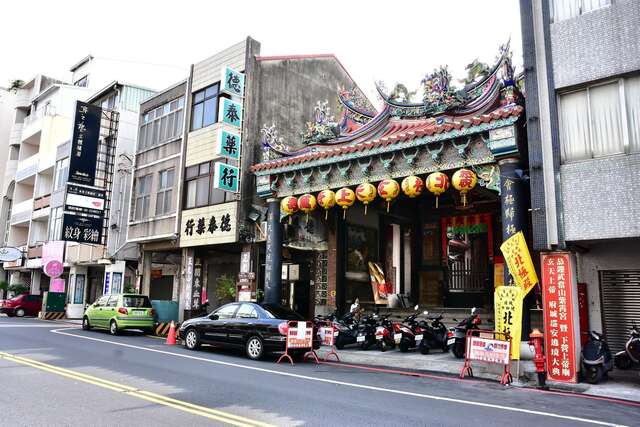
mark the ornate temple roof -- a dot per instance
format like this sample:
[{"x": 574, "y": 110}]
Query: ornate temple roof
[{"x": 491, "y": 96}]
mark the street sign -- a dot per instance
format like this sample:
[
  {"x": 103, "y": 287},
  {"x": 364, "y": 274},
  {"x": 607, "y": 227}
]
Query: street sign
[{"x": 9, "y": 253}]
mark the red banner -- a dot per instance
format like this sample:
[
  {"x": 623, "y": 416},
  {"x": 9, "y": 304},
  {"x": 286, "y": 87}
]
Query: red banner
[{"x": 559, "y": 331}]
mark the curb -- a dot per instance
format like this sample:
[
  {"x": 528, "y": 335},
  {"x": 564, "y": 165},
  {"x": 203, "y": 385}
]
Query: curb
[{"x": 51, "y": 315}]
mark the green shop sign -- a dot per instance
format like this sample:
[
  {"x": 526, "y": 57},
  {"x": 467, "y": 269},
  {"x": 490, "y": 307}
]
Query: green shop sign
[
  {"x": 230, "y": 112},
  {"x": 226, "y": 177},
  {"x": 232, "y": 82}
]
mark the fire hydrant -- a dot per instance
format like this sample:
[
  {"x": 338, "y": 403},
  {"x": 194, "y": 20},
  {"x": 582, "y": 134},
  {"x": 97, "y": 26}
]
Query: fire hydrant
[{"x": 535, "y": 341}]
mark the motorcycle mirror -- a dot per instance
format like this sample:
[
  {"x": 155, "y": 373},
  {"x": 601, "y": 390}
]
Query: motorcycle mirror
[{"x": 416, "y": 307}]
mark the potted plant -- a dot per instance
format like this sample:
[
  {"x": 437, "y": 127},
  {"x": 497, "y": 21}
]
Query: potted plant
[{"x": 226, "y": 289}]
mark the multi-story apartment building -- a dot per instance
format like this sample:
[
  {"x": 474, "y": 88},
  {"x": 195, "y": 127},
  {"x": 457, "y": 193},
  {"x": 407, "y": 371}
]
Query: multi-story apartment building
[
  {"x": 582, "y": 73},
  {"x": 38, "y": 197},
  {"x": 193, "y": 206}
]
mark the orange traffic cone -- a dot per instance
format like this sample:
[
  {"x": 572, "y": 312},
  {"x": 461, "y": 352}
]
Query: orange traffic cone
[{"x": 171, "y": 336}]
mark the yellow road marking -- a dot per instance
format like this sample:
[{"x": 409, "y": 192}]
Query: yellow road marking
[{"x": 181, "y": 405}]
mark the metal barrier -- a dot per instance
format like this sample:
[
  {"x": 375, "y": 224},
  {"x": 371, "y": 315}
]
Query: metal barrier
[
  {"x": 489, "y": 346},
  {"x": 328, "y": 333},
  {"x": 299, "y": 337}
]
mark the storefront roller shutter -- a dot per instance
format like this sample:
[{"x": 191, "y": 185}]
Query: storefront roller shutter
[{"x": 620, "y": 295}]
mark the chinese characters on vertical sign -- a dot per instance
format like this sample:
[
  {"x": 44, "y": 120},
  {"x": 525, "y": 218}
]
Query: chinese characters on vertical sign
[
  {"x": 225, "y": 177},
  {"x": 228, "y": 144},
  {"x": 518, "y": 259},
  {"x": 509, "y": 212},
  {"x": 508, "y": 313},
  {"x": 197, "y": 286},
  {"x": 230, "y": 112},
  {"x": 559, "y": 331},
  {"x": 232, "y": 82},
  {"x": 84, "y": 144}
]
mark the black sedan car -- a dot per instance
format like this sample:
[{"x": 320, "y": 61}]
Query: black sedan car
[{"x": 256, "y": 328}]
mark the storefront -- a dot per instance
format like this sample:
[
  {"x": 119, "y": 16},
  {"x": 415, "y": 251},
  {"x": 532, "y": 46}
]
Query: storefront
[{"x": 415, "y": 199}]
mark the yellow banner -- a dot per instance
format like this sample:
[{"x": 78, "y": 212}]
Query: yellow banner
[
  {"x": 508, "y": 312},
  {"x": 516, "y": 255}
]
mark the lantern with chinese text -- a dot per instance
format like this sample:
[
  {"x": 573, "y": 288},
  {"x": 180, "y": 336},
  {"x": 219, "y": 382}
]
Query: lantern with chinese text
[
  {"x": 412, "y": 186},
  {"x": 365, "y": 192},
  {"x": 289, "y": 206},
  {"x": 388, "y": 190},
  {"x": 307, "y": 203},
  {"x": 437, "y": 183},
  {"x": 327, "y": 200},
  {"x": 345, "y": 197},
  {"x": 464, "y": 180}
]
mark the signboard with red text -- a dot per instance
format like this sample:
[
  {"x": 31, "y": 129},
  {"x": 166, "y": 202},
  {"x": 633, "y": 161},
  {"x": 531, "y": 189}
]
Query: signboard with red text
[{"x": 559, "y": 325}]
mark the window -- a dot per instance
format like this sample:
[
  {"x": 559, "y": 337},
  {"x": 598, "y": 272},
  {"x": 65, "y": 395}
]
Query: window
[
  {"x": 226, "y": 312},
  {"x": 600, "y": 120},
  {"x": 162, "y": 124},
  {"x": 165, "y": 191},
  {"x": 110, "y": 102},
  {"x": 102, "y": 301},
  {"x": 136, "y": 301},
  {"x": 565, "y": 9},
  {"x": 113, "y": 301},
  {"x": 247, "y": 311},
  {"x": 199, "y": 187},
  {"x": 116, "y": 283},
  {"x": 143, "y": 189},
  {"x": 55, "y": 224},
  {"x": 205, "y": 107},
  {"x": 278, "y": 312},
  {"x": 82, "y": 82},
  {"x": 62, "y": 172},
  {"x": 78, "y": 292}
]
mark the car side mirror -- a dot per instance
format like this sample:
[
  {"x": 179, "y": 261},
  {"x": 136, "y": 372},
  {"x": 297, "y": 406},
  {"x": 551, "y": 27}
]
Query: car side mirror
[{"x": 214, "y": 317}]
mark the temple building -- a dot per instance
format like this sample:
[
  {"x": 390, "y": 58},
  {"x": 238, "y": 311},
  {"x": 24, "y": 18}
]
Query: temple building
[{"x": 406, "y": 205}]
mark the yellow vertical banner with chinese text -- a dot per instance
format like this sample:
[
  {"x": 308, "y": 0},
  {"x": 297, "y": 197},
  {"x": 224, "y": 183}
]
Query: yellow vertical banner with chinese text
[
  {"x": 508, "y": 312},
  {"x": 518, "y": 259}
]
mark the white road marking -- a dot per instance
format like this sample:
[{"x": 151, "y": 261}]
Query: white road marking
[
  {"x": 343, "y": 383},
  {"x": 22, "y": 325}
]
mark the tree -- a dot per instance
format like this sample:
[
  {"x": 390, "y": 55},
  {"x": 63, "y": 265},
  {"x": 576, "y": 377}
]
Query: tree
[{"x": 14, "y": 85}]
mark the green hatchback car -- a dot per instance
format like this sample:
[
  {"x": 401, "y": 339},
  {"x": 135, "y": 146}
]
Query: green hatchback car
[{"x": 120, "y": 311}]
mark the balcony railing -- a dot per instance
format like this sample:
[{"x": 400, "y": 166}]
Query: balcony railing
[{"x": 27, "y": 167}]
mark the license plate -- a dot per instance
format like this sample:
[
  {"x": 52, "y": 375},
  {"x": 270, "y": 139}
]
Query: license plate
[
  {"x": 360, "y": 338},
  {"x": 397, "y": 338},
  {"x": 451, "y": 341},
  {"x": 418, "y": 337},
  {"x": 138, "y": 312},
  {"x": 379, "y": 337}
]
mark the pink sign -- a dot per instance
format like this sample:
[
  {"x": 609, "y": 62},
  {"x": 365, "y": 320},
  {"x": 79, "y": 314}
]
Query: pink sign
[
  {"x": 53, "y": 258},
  {"x": 57, "y": 285}
]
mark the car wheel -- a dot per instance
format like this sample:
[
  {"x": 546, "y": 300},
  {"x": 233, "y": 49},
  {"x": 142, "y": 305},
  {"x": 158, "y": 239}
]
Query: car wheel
[
  {"x": 192, "y": 339},
  {"x": 85, "y": 324},
  {"x": 20, "y": 312},
  {"x": 254, "y": 348},
  {"x": 113, "y": 328}
]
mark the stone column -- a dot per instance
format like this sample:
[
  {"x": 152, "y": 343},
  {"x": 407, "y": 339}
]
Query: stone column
[
  {"x": 273, "y": 256},
  {"x": 514, "y": 201}
]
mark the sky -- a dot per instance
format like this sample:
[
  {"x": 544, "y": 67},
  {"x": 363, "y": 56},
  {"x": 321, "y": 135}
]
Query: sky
[{"x": 393, "y": 41}]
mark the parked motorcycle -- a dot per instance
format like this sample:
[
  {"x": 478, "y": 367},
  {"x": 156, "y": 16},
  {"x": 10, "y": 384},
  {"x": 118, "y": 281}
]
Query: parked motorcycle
[
  {"x": 457, "y": 337},
  {"x": 435, "y": 334},
  {"x": 596, "y": 358},
  {"x": 626, "y": 358},
  {"x": 409, "y": 333},
  {"x": 366, "y": 335},
  {"x": 385, "y": 334}
]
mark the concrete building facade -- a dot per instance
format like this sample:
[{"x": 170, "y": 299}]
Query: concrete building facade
[{"x": 582, "y": 73}]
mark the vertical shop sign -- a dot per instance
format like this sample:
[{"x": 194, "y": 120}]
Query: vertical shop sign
[
  {"x": 232, "y": 82},
  {"x": 230, "y": 112},
  {"x": 508, "y": 313},
  {"x": 84, "y": 144},
  {"x": 53, "y": 258},
  {"x": 228, "y": 144},
  {"x": 518, "y": 259},
  {"x": 559, "y": 325},
  {"x": 188, "y": 278},
  {"x": 226, "y": 177},
  {"x": 197, "y": 287}
]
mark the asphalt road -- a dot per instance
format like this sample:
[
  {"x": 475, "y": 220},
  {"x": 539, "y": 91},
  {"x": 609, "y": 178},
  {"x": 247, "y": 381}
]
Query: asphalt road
[{"x": 57, "y": 374}]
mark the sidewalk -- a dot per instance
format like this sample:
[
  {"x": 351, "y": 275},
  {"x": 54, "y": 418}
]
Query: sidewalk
[{"x": 620, "y": 385}]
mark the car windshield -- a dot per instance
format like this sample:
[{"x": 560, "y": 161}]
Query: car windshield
[
  {"x": 136, "y": 301},
  {"x": 278, "y": 312}
]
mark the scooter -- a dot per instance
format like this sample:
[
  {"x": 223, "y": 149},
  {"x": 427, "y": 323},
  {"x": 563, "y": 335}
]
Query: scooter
[
  {"x": 409, "y": 333},
  {"x": 366, "y": 335},
  {"x": 626, "y": 358},
  {"x": 435, "y": 334},
  {"x": 457, "y": 337},
  {"x": 384, "y": 333},
  {"x": 346, "y": 327},
  {"x": 596, "y": 358}
]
